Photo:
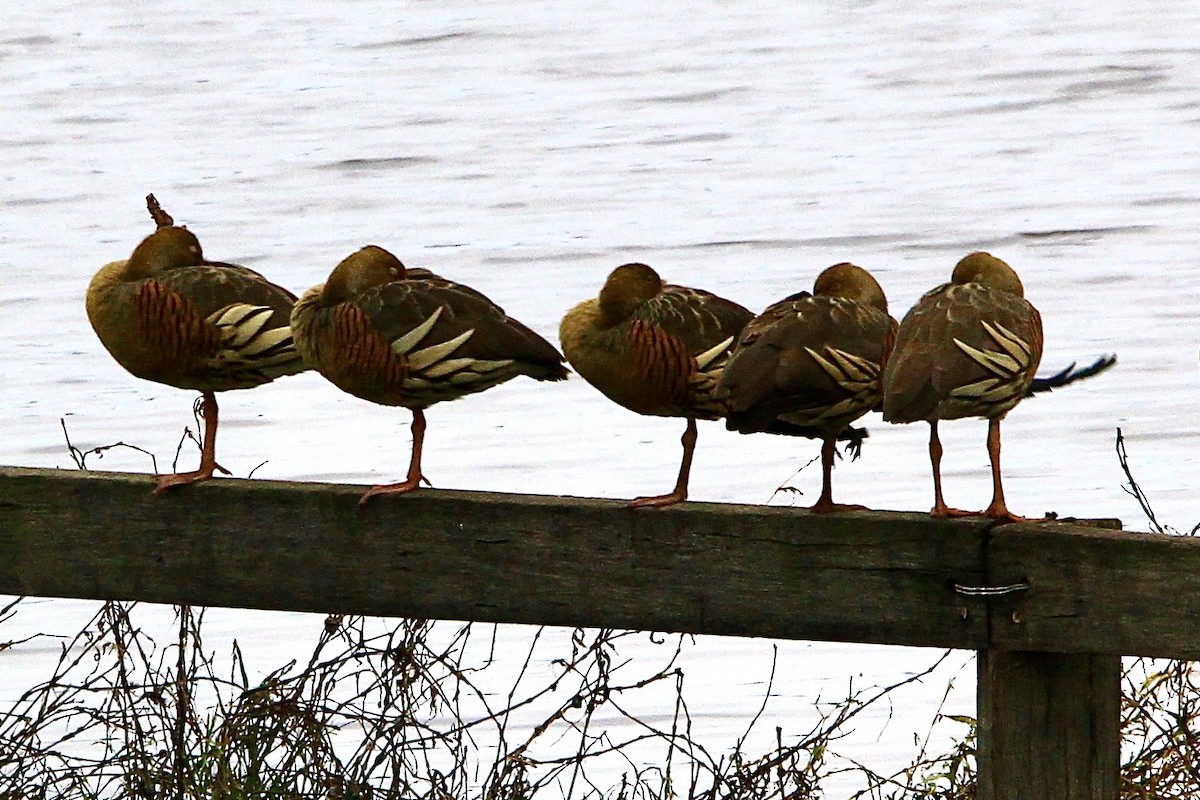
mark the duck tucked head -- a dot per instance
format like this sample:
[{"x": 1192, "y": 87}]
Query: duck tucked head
[
  {"x": 627, "y": 287},
  {"x": 363, "y": 269},
  {"x": 985, "y": 268},
  {"x": 853, "y": 283},
  {"x": 169, "y": 247}
]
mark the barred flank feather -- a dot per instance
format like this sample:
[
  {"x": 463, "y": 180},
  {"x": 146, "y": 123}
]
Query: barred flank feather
[
  {"x": 1006, "y": 383},
  {"x": 250, "y": 345}
]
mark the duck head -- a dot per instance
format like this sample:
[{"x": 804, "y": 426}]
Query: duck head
[
  {"x": 363, "y": 269},
  {"x": 985, "y": 268},
  {"x": 627, "y": 287},
  {"x": 169, "y": 247},
  {"x": 853, "y": 283}
]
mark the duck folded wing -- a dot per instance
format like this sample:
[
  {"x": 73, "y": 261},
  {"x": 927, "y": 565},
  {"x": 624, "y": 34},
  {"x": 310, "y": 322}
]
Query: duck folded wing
[
  {"x": 699, "y": 319},
  {"x": 446, "y": 333},
  {"x": 965, "y": 350},
  {"x": 418, "y": 342},
  {"x": 217, "y": 327},
  {"x": 810, "y": 361}
]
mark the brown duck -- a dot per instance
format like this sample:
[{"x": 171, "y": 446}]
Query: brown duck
[
  {"x": 407, "y": 337},
  {"x": 656, "y": 349},
  {"x": 811, "y": 364},
  {"x": 968, "y": 348},
  {"x": 168, "y": 315}
]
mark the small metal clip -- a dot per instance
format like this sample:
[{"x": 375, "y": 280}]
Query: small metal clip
[{"x": 991, "y": 591}]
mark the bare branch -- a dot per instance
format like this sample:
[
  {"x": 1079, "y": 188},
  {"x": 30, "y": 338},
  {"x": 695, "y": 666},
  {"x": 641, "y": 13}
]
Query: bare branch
[{"x": 161, "y": 218}]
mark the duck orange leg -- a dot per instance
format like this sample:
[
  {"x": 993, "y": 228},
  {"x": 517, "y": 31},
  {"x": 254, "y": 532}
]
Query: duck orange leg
[
  {"x": 940, "y": 509},
  {"x": 825, "y": 504},
  {"x": 413, "y": 481},
  {"x": 208, "y": 450},
  {"x": 998, "y": 509},
  {"x": 681, "y": 484}
]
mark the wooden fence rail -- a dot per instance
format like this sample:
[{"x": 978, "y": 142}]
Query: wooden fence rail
[{"x": 1050, "y": 607}]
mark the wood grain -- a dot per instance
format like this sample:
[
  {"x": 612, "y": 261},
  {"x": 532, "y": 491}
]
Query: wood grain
[{"x": 698, "y": 568}]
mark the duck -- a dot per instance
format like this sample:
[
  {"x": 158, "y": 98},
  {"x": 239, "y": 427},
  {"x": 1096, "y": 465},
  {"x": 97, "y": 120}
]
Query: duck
[
  {"x": 657, "y": 349},
  {"x": 167, "y": 314},
  {"x": 811, "y": 364},
  {"x": 408, "y": 337},
  {"x": 968, "y": 348}
]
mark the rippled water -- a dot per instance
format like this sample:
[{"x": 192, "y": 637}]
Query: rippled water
[{"x": 528, "y": 148}]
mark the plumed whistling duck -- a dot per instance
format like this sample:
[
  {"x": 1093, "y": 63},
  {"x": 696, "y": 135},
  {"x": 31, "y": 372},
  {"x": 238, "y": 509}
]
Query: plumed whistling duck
[
  {"x": 968, "y": 348},
  {"x": 811, "y": 364},
  {"x": 656, "y": 349},
  {"x": 407, "y": 337},
  {"x": 168, "y": 315}
]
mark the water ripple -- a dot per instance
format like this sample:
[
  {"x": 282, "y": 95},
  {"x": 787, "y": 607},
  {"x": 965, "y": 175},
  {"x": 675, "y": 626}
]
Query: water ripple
[
  {"x": 417, "y": 41},
  {"x": 1085, "y": 233},
  {"x": 837, "y": 242},
  {"x": 696, "y": 138},
  {"x": 384, "y": 163},
  {"x": 691, "y": 97}
]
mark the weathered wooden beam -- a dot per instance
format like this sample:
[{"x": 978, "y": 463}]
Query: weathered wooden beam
[
  {"x": 1096, "y": 591},
  {"x": 700, "y": 568},
  {"x": 1048, "y": 726}
]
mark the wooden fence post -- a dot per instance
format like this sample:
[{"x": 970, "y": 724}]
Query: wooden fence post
[{"x": 1049, "y": 726}]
